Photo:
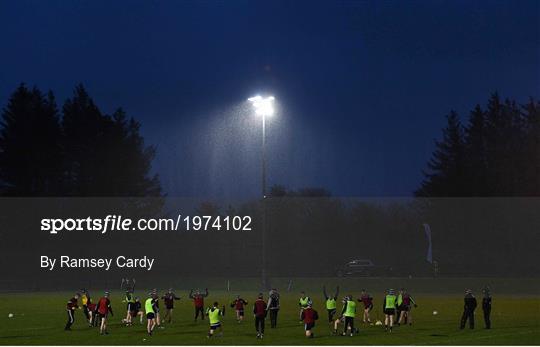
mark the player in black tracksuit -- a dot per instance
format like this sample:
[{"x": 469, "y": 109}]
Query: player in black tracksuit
[
  {"x": 71, "y": 305},
  {"x": 486, "y": 307},
  {"x": 273, "y": 307},
  {"x": 468, "y": 309}
]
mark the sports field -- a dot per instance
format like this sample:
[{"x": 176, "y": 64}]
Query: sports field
[{"x": 39, "y": 318}]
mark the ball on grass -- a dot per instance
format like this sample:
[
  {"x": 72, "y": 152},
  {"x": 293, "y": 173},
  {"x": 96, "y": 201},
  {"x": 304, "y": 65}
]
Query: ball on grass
[
  {"x": 10, "y": 315},
  {"x": 435, "y": 313},
  {"x": 378, "y": 322}
]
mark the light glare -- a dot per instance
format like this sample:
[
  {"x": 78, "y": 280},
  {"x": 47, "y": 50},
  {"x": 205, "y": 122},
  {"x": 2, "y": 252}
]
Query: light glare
[{"x": 263, "y": 106}]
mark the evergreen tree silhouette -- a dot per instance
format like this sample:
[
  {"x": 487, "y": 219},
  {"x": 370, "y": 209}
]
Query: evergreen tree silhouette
[
  {"x": 86, "y": 153},
  {"x": 496, "y": 154},
  {"x": 445, "y": 175},
  {"x": 30, "y": 145}
]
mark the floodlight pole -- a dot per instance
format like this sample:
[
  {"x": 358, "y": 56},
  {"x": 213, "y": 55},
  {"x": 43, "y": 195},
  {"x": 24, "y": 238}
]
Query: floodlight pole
[
  {"x": 264, "y": 108},
  {"x": 264, "y": 157},
  {"x": 263, "y": 270}
]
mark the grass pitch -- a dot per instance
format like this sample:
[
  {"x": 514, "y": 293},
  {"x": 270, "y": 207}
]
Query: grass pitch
[{"x": 39, "y": 318}]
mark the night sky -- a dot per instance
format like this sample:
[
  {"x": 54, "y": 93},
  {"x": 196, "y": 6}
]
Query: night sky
[{"x": 362, "y": 87}]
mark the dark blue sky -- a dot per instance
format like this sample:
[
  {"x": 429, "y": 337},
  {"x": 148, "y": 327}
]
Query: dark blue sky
[{"x": 362, "y": 86}]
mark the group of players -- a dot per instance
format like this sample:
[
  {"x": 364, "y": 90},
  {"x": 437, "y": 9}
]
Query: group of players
[{"x": 396, "y": 308}]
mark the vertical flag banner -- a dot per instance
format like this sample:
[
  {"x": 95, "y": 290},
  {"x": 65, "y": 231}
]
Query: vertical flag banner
[{"x": 429, "y": 256}]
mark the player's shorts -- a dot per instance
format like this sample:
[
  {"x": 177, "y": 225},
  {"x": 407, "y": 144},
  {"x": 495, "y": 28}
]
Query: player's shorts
[
  {"x": 389, "y": 311},
  {"x": 215, "y": 326},
  {"x": 240, "y": 313},
  {"x": 406, "y": 308},
  {"x": 331, "y": 313},
  {"x": 102, "y": 315},
  {"x": 309, "y": 326},
  {"x": 130, "y": 306},
  {"x": 134, "y": 313},
  {"x": 169, "y": 307},
  {"x": 150, "y": 315},
  {"x": 369, "y": 307}
]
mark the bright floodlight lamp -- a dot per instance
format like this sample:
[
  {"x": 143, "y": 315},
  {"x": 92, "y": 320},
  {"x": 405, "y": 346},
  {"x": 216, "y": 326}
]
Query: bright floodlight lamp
[{"x": 263, "y": 106}]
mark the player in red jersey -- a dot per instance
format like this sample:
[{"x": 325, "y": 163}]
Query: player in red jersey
[
  {"x": 169, "y": 299},
  {"x": 309, "y": 316},
  {"x": 92, "y": 313},
  {"x": 367, "y": 300},
  {"x": 198, "y": 302},
  {"x": 238, "y": 305},
  {"x": 103, "y": 309},
  {"x": 405, "y": 315},
  {"x": 259, "y": 312}
]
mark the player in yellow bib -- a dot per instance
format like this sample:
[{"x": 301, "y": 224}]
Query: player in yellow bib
[
  {"x": 389, "y": 307},
  {"x": 129, "y": 299},
  {"x": 349, "y": 312},
  {"x": 214, "y": 316},
  {"x": 331, "y": 304},
  {"x": 150, "y": 309}
]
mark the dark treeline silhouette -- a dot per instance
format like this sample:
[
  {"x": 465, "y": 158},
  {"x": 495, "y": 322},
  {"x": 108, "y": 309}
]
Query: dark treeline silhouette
[
  {"x": 79, "y": 151},
  {"x": 496, "y": 153}
]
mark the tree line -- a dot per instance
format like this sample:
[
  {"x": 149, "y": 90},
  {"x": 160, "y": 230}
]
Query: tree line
[
  {"x": 495, "y": 153},
  {"x": 75, "y": 151}
]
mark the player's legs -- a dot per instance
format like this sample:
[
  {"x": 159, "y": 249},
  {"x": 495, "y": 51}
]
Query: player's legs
[
  {"x": 241, "y": 316},
  {"x": 367, "y": 318},
  {"x": 127, "y": 320},
  {"x": 336, "y": 324},
  {"x": 309, "y": 331},
  {"x": 487, "y": 319},
  {"x": 70, "y": 320},
  {"x": 273, "y": 318},
  {"x": 168, "y": 315},
  {"x": 150, "y": 325},
  {"x": 103, "y": 325},
  {"x": 401, "y": 316},
  {"x": 220, "y": 330},
  {"x": 331, "y": 314},
  {"x": 86, "y": 312},
  {"x": 463, "y": 321},
  {"x": 213, "y": 329},
  {"x": 199, "y": 310},
  {"x": 158, "y": 319}
]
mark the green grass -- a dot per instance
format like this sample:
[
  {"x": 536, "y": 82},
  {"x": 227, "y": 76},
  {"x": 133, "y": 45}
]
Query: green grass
[{"x": 39, "y": 318}]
